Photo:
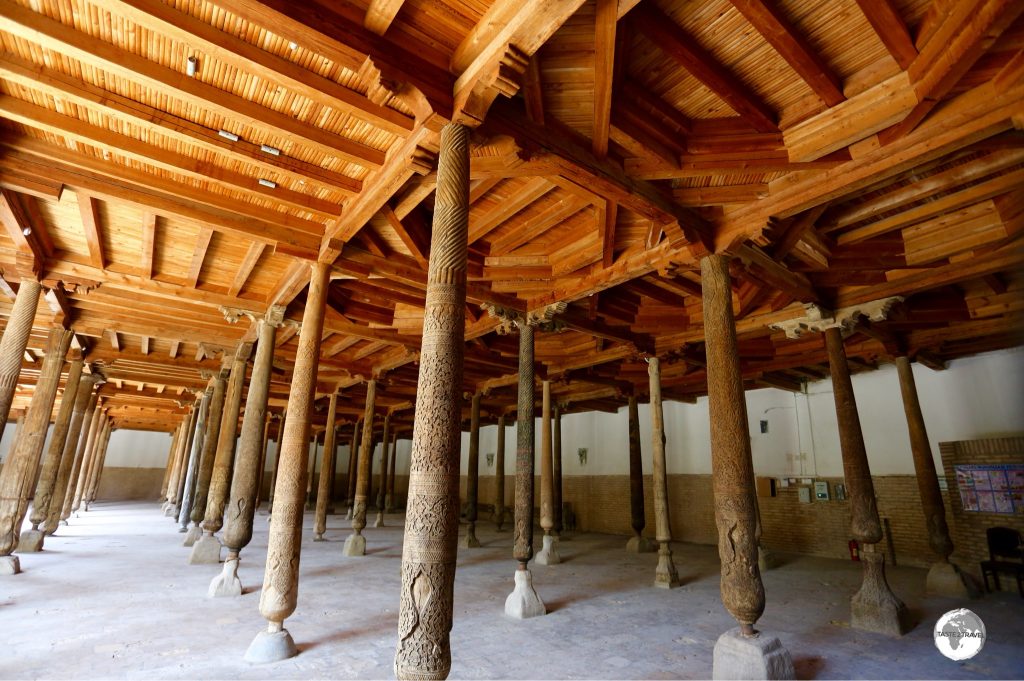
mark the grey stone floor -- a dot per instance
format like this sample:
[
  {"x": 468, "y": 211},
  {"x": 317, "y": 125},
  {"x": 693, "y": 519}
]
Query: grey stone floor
[{"x": 113, "y": 597}]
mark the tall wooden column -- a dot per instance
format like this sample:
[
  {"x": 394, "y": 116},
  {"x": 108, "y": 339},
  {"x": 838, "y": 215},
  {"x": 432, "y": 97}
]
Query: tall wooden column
[
  {"x": 176, "y": 456},
  {"x": 353, "y": 466},
  {"x": 473, "y": 475},
  {"x": 70, "y": 461},
  {"x": 432, "y": 515},
  {"x": 207, "y": 549},
  {"x": 556, "y": 470},
  {"x": 548, "y": 554},
  {"x": 314, "y": 443},
  {"x": 326, "y": 471},
  {"x": 14, "y": 342},
  {"x": 637, "y": 516},
  {"x": 665, "y": 575},
  {"x": 90, "y": 465},
  {"x": 204, "y": 474},
  {"x": 277, "y": 462},
  {"x": 355, "y": 544},
  {"x": 186, "y": 450},
  {"x": 389, "y": 494},
  {"x": 76, "y": 485},
  {"x": 382, "y": 487},
  {"x": 241, "y": 508},
  {"x": 943, "y": 578},
  {"x": 281, "y": 579},
  {"x": 17, "y": 477},
  {"x": 169, "y": 466},
  {"x": 101, "y": 461},
  {"x": 499, "y": 474},
  {"x": 874, "y": 608},
  {"x": 194, "y": 455},
  {"x": 268, "y": 420}
]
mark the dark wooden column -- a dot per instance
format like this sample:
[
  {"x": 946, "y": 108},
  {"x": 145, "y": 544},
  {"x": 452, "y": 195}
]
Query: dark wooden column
[
  {"x": 473, "y": 475},
  {"x": 637, "y": 516}
]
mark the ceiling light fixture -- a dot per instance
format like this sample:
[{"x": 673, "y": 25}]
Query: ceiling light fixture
[
  {"x": 228, "y": 135},
  {"x": 191, "y": 66},
  {"x": 268, "y": 183},
  {"x": 270, "y": 150},
  {"x": 292, "y": 45},
  {"x": 26, "y": 231}
]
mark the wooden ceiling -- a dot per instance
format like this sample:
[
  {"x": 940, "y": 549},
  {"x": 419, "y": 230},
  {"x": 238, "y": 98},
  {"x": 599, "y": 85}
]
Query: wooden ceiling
[{"x": 841, "y": 150}]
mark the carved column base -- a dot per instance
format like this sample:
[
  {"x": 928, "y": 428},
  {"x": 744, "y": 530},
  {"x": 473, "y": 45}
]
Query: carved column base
[
  {"x": 470, "y": 541},
  {"x": 355, "y": 545},
  {"x": 389, "y": 503},
  {"x": 318, "y": 536},
  {"x": 524, "y": 602},
  {"x": 30, "y": 542},
  {"x": 640, "y": 544},
  {"x": 171, "y": 511},
  {"x": 379, "y": 522},
  {"x": 9, "y": 565},
  {"x": 751, "y": 657},
  {"x": 665, "y": 575},
  {"x": 192, "y": 535},
  {"x": 227, "y": 582},
  {"x": 348, "y": 514},
  {"x": 273, "y": 645},
  {"x": 765, "y": 560},
  {"x": 875, "y": 608},
  {"x": 944, "y": 579},
  {"x": 548, "y": 554},
  {"x": 206, "y": 551},
  {"x": 499, "y": 519}
]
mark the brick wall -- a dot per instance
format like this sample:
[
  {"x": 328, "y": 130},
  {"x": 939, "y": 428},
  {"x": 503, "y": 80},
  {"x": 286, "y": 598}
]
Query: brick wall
[{"x": 968, "y": 528}]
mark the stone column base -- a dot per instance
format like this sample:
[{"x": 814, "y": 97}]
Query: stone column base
[
  {"x": 665, "y": 575},
  {"x": 9, "y": 565},
  {"x": 470, "y": 541},
  {"x": 192, "y": 535},
  {"x": 549, "y": 553},
  {"x": 227, "y": 582},
  {"x": 640, "y": 544},
  {"x": 944, "y": 579},
  {"x": 355, "y": 545},
  {"x": 765, "y": 560},
  {"x": 318, "y": 537},
  {"x": 524, "y": 602},
  {"x": 30, "y": 542},
  {"x": 379, "y": 522},
  {"x": 348, "y": 514},
  {"x": 206, "y": 551},
  {"x": 751, "y": 657},
  {"x": 271, "y": 646},
  {"x": 875, "y": 607}
]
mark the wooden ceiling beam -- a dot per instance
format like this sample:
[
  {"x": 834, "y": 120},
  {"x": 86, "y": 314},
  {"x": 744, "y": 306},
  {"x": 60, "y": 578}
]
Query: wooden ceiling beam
[
  {"x": 674, "y": 42},
  {"x": 88, "y": 207},
  {"x": 890, "y": 29},
  {"x": 146, "y": 256},
  {"x": 414, "y": 238},
  {"x": 199, "y": 256},
  {"x": 794, "y": 48},
  {"x": 380, "y": 14},
  {"x": 252, "y": 256},
  {"x": 20, "y": 229},
  {"x": 483, "y": 225},
  {"x": 52, "y": 34},
  {"x": 606, "y": 22}
]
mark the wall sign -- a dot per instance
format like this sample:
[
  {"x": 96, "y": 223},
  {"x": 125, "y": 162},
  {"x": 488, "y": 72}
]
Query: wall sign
[{"x": 992, "y": 488}]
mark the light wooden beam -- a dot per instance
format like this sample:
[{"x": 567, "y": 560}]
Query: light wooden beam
[
  {"x": 145, "y": 345},
  {"x": 606, "y": 22},
  {"x": 115, "y": 342},
  {"x": 173, "y": 351},
  {"x": 252, "y": 256},
  {"x": 891, "y": 29},
  {"x": 199, "y": 256},
  {"x": 88, "y": 207},
  {"x": 148, "y": 241},
  {"x": 380, "y": 14}
]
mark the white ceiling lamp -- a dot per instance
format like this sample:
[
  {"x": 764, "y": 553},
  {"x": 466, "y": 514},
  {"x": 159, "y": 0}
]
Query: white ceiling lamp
[
  {"x": 228, "y": 135},
  {"x": 191, "y": 66},
  {"x": 268, "y": 183},
  {"x": 273, "y": 151}
]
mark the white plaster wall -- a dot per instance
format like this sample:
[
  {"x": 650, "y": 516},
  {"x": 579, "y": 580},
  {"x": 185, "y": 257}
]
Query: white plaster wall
[{"x": 138, "y": 449}]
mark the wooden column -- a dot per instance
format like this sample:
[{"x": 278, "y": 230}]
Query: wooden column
[
  {"x": 389, "y": 495},
  {"x": 267, "y": 422},
  {"x": 281, "y": 579},
  {"x": 208, "y": 458},
  {"x": 548, "y": 554},
  {"x": 77, "y": 484},
  {"x": 14, "y": 342},
  {"x": 874, "y": 608},
  {"x": 353, "y": 466},
  {"x": 241, "y": 508},
  {"x": 432, "y": 515},
  {"x": 101, "y": 461},
  {"x": 183, "y": 457},
  {"x": 17, "y": 477},
  {"x": 637, "y": 517},
  {"x": 314, "y": 443},
  {"x": 326, "y": 471},
  {"x": 473, "y": 475},
  {"x": 70, "y": 459},
  {"x": 522, "y": 549},
  {"x": 665, "y": 575},
  {"x": 382, "y": 487},
  {"x": 355, "y": 544},
  {"x": 169, "y": 466},
  {"x": 499, "y": 474},
  {"x": 556, "y": 469},
  {"x": 54, "y": 462},
  {"x": 194, "y": 455},
  {"x": 732, "y": 467},
  {"x": 277, "y": 461}
]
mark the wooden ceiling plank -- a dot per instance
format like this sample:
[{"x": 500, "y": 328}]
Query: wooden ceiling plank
[
  {"x": 252, "y": 256},
  {"x": 675, "y": 42},
  {"x": 49, "y": 33},
  {"x": 550, "y": 217},
  {"x": 533, "y": 190},
  {"x": 604, "y": 65},
  {"x": 890, "y": 28},
  {"x": 413, "y": 241},
  {"x": 792, "y": 235},
  {"x": 88, "y": 207},
  {"x": 791, "y": 46}
]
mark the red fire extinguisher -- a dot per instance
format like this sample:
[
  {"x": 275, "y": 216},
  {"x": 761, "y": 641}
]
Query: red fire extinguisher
[{"x": 854, "y": 550}]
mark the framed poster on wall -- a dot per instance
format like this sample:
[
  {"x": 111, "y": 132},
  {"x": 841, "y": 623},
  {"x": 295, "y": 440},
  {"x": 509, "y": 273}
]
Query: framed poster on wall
[{"x": 991, "y": 488}]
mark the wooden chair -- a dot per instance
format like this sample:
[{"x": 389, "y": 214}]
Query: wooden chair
[{"x": 1006, "y": 554}]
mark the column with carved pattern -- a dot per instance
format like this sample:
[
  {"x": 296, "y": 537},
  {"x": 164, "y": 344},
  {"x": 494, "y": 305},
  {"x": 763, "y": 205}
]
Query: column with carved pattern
[
  {"x": 499, "y": 475},
  {"x": 382, "y": 487},
  {"x": 204, "y": 474},
  {"x": 355, "y": 544},
  {"x": 665, "y": 575},
  {"x": 548, "y": 554},
  {"x": 326, "y": 480},
  {"x": 473, "y": 475}
]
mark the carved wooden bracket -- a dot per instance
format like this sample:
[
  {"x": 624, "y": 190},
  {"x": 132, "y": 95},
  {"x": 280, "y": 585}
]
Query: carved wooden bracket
[{"x": 818, "y": 318}]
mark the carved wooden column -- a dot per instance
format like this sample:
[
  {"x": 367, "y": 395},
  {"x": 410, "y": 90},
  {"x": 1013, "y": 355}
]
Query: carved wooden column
[
  {"x": 77, "y": 483},
  {"x": 384, "y": 441},
  {"x": 101, "y": 460},
  {"x": 17, "y": 477},
  {"x": 943, "y": 578},
  {"x": 733, "y": 484},
  {"x": 326, "y": 471},
  {"x": 473, "y": 475},
  {"x": 241, "y": 508},
  {"x": 874, "y": 608},
  {"x": 206, "y": 550},
  {"x": 277, "y": 463},
  {"x": 90, "y": 466},
  {"x": 14, "y": 342},
  {"x": 638, "y": 542},
  {"x": 195, "y": 452},
  {"x": 355, "y": 544},
  {"x": 54, "y": 461},
  {"x": 204, "y": 473},
  {"x": 176, "y": 455},
  {"x": 264, "y": 448},
  {"x": 548, "y": 554},
  {"x": 314, "y": 443},
  {"x": 389, "y": 494},
  {"x": 556, "y": 471},
  {"x": 432, "y": 515},
  {"x": 169, "y": 464},
  {"x": 281, "y": 579},
  {"x": 69, "y": 461},
  {"x": 353, "y": 466},
  {"x": 499, "y": 474},
  {"x": 665, "y": 575},
  {"x": 186, "y": 450}
]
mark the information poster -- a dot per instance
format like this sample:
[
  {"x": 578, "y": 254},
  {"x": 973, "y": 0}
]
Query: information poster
[{"x": 993, "y": 488}]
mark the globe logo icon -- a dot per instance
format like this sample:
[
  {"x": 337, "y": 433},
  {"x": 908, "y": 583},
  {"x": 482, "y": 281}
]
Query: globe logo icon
[{"x": 959, "y": 634}]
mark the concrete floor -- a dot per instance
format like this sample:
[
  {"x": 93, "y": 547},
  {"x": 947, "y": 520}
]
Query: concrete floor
[{"x": 113, "y": 597}]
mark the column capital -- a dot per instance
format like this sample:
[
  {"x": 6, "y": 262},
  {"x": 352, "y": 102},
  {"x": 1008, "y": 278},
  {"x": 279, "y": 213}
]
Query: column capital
[
  {"x": 542, "y": 317},
  {"x": 817, "y": 318},
  {"x": 274, "y": 315}
]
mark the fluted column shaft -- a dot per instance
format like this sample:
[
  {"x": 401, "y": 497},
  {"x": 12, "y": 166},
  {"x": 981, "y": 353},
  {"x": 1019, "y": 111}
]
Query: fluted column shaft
[
  {"x": 14, "y": 342},
  {"x": 522, "y": 549},
  {"x": 385, "y": 441},
  {"x": 69, "y": 460},
  {"x": 54, "y": 454},
  {"x": 556, "y": 468},
  {"x": 192, "y": 468},
  {"x": 101, "y": 462},
  {"x": 77, "y": 484},
  {"x": 277, "y": 459},
  {"x": 731, "y": 464},
  {"x": 178, "y": 455},
  {"x": 326, "y": 470},
  {"x": 209, "y": 451},
  {"x": 547, "y": 520},
  {"x": 665, "y": 575},
  {"x": 264, "y": 448},
  {"x": 223, "y": 465},
  {"x": 432, "y": 524},
  {"x": 95, "y": 461}
]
